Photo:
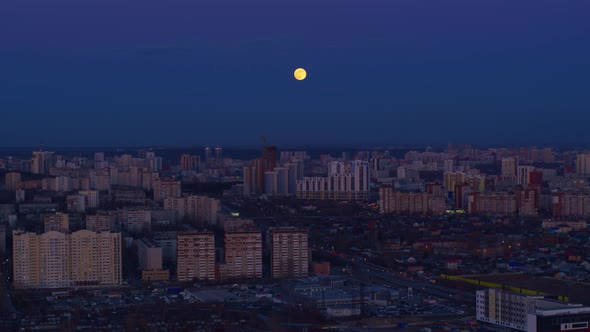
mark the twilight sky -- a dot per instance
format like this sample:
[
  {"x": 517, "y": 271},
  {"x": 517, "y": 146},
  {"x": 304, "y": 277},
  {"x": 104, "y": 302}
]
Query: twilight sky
[{"x": 197, "y": 72}]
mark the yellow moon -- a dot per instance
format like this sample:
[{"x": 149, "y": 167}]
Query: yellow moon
[{"x": 300, "y": 74}]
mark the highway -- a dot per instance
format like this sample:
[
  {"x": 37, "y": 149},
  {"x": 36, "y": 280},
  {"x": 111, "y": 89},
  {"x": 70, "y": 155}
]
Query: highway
[{"x": 364, "y": 269}]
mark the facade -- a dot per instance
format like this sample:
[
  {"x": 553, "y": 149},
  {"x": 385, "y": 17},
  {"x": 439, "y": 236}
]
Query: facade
[
  {"x": 412, "y": 203},
  {"x": 76, "y": 203},
  {"x": 12, "y": 181},
  {"x": 195, "y": 256},
  {"x": 289, "y": 253},
  {"x": 59, "y": 222},
  {"x": 56, "y": 260},
  {"x": 149, "y": 255},
  {"x": 168, "y": 242},
  {"x": 493, "y": 203},
  {"x": 571, "y": 205},
  {"x": 583, "y": 164},
  {"x": 91, "y": 198},
  {"x": 523, "y": 175},
  {"x": 243, "y": 252},
  {"x": 509, "y": 167},
  {"x": 100, "y": 223},
  {"x": 189, "y": 163},
  {"x": 199, "y": 209},
  {"x": 166, "y": 188},
  {"x": 138, "y": 221},
  {"x": 345, "y": 181}
]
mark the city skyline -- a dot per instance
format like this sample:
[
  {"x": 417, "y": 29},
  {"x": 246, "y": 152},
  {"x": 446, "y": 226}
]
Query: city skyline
[{"x": 388, "y": 72}]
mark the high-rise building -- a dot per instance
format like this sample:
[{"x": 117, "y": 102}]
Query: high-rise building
[
  {"x": 509, "y": 166},
  {"x": 59, "y": 222},
  {"x": 149, "y": 255},
  {"x": 583, "y": 164},
  {"x": 138, "y": 221},
  {"x": 492, "y": 203},
  {"x": 289, "y": 253},
  {"x": 56, "y": 260},
  {"x": 243, "y": 252},
  {"x": 98, "y": 157},
  {"x": 76, "y": 203},
  {"x": 391, "y": 201},
  {"x": 218, "y": 153},
  {"x": 95, "y": 259},
  {"x": 164, "y": 188},
  {"x": 20, "y": 195},
  {"x": 271, "y": 182},
  {"x": 198, "y": 209},
  {"x": 293, "y": 176},
  {"x": 100, "y": 222},
  {"x": 195, "y": 256},
  {"x": 41, "y": 162},
  {"x": 12, "y": 181},
  {"x": 189, "y": 163},
  {"x": 2, "y": 240},
  {"x": 91, "y": 198},
  {"x": 345, "y": 181},
  {"x": 570, "y": 205},
  {"x": 523, "y": 175},
  {"x": 168, "y": 242},
  {"x": 208, "y": 156},
  {"x": 260, "y": 166},
  {"x": 249, "y": 180}
]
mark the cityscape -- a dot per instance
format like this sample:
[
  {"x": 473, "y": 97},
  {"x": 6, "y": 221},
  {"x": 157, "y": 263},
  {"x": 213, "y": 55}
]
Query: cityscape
[
  {"x": 455, "y": 238},
  {"x": 294, "y": 166}
]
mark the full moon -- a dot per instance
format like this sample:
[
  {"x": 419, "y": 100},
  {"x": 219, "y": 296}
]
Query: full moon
[{"x": 300, "y": 74}]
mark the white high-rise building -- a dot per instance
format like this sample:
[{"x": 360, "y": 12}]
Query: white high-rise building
[{"x": 56, "y": 260}]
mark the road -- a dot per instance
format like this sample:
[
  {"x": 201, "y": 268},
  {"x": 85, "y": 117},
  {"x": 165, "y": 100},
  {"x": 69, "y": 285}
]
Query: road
[{"x": 365, "y": 269}]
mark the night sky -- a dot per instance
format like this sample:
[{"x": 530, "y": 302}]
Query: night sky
[{"x": 197, "y": 72}]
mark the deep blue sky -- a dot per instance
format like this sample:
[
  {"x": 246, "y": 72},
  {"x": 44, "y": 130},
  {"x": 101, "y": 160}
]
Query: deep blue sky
[{"x": 191, "y": 72}]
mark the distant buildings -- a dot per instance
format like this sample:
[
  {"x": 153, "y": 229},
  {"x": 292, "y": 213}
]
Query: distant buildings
[
  {"x": 58, "y": 222},
  {"x": 166, "y": 189},
  {"x": 289, "y": 252},
  {"x": 571, "y": 204},
  {"x": 583, "y": 164},
  {"x": 200, "y": 210},
  {"x": 41, "y": 162},
  {"x": 345, "y": 181},
  {"x": 100, "y": 222},
  {"x": 55, "y": 260},
  {"x": 492, "y": 203},
  {"x": 509, "y": 166},
  {"x": 412, "y": 203},
  {"x": 189, "y": 162},
  {"x": 12, "y": 181}
]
